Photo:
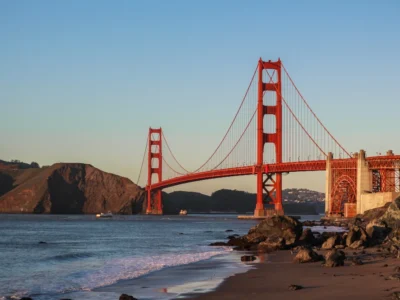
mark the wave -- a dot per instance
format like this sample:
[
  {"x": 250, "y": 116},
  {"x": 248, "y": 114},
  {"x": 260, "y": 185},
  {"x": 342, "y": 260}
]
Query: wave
[
  {"x": 133, "y": 267},
  {"x": 112, "y": 271}
]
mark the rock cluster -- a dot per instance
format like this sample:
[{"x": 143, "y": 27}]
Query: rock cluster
[{"x": 379, "y": 227}]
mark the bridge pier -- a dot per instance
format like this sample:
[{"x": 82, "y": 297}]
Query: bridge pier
[
  {"x": 154, "y": 203},
  {"x": 328, "y": 183}
]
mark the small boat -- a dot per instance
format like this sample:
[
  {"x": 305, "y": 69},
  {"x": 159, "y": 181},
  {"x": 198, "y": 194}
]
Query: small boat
[
  {"x": 105, "y": 215},
  {"x": 183, "y": 212}
]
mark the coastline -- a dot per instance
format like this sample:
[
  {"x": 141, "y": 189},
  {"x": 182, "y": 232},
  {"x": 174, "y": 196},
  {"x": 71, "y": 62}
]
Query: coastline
[
  {"x": 180, "y": 281},
  {"x": 273, "y": 275}
]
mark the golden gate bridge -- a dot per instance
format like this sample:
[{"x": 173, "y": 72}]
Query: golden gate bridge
[{"x": 273, "y": 132}]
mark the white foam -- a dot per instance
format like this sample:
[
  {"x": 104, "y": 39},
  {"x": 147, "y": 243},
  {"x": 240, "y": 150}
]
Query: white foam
[
  {"x": 120, "y": 269},
  {"x": 133, "y": 267}
]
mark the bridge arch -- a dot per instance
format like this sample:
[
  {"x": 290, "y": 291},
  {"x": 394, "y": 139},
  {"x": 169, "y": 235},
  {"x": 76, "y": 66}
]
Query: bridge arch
[{"x": 344, "y": 191}]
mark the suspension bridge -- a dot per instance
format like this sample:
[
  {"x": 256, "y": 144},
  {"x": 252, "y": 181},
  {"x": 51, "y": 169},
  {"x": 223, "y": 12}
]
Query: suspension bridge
[{"x": 274, "y": 132}]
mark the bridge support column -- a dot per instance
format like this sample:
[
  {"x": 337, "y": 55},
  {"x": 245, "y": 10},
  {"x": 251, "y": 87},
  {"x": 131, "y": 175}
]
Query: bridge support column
[
  {"x": 364, "y": 178},
  {"x": 328, "y": 184},
  {"x": 154, "y": 201}
]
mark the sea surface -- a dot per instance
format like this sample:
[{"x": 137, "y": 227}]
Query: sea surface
[{"x": 150, "y": 257}]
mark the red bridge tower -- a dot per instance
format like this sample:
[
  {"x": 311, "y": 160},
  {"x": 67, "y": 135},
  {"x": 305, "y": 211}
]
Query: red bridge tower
[
  {"x": 269, "y": 184},
  {"x": 154, "y": 204}
]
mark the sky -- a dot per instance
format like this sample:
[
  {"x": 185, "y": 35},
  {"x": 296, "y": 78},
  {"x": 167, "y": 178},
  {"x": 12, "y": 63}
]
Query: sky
[{"x": 82, "y": 81}]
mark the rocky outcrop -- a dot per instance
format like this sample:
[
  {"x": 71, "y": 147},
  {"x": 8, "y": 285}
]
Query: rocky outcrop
[
  {"x": 306, "y": 255},
  {"x": 334, "y": 258},
  {"x": 377, "y": 230},
  {"x": 392, "y": 215},
  {"x": 271, "y": 244},
  {"x": 277, "y": 226},
  {"x": 307, "y": 238},
  {"x": 356, "y": 237},
  {"x": 73, "y": 189},
  {"x": 331, "y": 242},
  {"x": 126, "y": 297}
]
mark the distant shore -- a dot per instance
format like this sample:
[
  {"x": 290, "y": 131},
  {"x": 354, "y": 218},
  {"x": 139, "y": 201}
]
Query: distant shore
[{"x": 276, "y": 272}]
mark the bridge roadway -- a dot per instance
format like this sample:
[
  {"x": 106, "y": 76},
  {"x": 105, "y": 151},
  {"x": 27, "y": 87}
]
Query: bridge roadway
[
  {"x": 374, "y": 162},
  {"x": 316, "y": 165}
]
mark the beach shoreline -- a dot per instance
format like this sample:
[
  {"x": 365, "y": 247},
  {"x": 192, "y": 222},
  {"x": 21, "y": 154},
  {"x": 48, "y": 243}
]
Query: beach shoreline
[{"x": 273, "y": 275}]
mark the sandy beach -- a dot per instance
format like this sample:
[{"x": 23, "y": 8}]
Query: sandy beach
[{"x": 275, "y": 272}]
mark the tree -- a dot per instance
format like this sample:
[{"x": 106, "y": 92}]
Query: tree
[{"x": 34, "y": 165}]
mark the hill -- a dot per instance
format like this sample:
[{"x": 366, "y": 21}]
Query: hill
[
  {"x": 233, "y": 201},
  {"x": 67, "y": 188}
]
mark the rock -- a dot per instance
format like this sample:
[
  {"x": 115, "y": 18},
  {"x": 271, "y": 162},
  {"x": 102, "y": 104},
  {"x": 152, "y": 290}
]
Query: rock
[
  {"x": 334, "y": 258},
  {"x": 394, "y": 249},
  {"x": 375, "y": 213},
  {"x": 357, "y": 244},
  {"x": 41, "y": 242},
  {"x": 240, "y": 243},
  {"x": 356, "y": 233},
  {"x": 397, "y": 269},
  {"x": 339, "y": 246},
  {"x": 306, "y": 255},
  {"x": 394, "y": 277},
  {"x": 392, "y": 215},
  {"x": 232, "y": 236},
  {"x": 229, "y": 230},
  {"x": 295, "y": 287},
  {"x": 248, "y": 258},
  {"x": 271, "y": 244},
  {"x": 396, "y": 295},
  {"x": 219, "y": 244},
  {"x": 356, "y": 261},
  {"x": 278, "y": 226},
  {"x": 307, "y": 237},
  {"x": 331, "y": 242},
  {"x": 126, "y": 297},
  {"x": 254, "y": 238},
  {"x": 377, "y": 231},
  {"x": 26, "y": 298}
]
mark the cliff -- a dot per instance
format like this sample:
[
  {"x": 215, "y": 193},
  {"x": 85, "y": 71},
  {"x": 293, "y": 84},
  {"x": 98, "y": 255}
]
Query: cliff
[{"x": 67, "y": 188}]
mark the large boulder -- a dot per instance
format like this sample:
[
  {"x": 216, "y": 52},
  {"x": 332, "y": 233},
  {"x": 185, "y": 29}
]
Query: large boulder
[
  {"x": 392, "y": 215},
  {"x": 331, "y": 242},
  {"x": 271, "y": 244},
  {"x": 377, "y": 231},
  {"x": 306, "y": 255},
  {"x": 356, "y": 233},
  {"x": 278, "y": 226},
  {"x": 240, "y": 243},
  {"x": 307, "y": 238},
  {"x": 126, "y": 297},
  {"x": 334, "y": 258}
]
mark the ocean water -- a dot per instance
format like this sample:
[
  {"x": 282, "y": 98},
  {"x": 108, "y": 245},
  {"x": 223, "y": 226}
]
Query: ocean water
[
  {"x": 87, "y": 258},
  {"x": 149, "y": 257}
]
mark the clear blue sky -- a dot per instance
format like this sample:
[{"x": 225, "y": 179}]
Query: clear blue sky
[{"x": 81, "y": 81}]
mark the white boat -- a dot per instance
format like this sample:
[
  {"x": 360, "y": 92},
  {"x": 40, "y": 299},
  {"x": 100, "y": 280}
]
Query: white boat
[
  {"x": 183, "y": 212},
  {"x": 105, "y": 215}
]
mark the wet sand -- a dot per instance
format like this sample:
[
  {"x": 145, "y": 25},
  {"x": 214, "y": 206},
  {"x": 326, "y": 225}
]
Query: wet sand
[{"x": 272, "y": 277}]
